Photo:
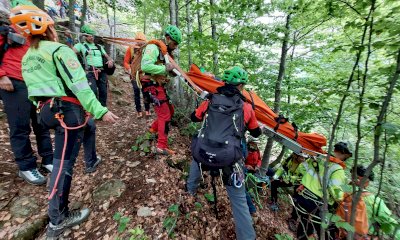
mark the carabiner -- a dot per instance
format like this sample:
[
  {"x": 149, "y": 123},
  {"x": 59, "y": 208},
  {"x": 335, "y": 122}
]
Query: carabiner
[{"x": 236, "y": 183}]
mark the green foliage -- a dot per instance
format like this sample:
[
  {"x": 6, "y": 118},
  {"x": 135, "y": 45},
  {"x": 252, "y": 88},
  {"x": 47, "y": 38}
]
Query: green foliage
[
  {"x": 136, "y": 233},
  {"x": 283, "y": 236},
  {"x": 122, "y": 221},
  {"x": 143, "y": 143},
  {"x": 209, "y": 197},
  {"x": 190, "y": 129},
  {"x": 337, "y": 220},
  {"x": 198, "y": 206},
  {"x": 169, "y": 222}
]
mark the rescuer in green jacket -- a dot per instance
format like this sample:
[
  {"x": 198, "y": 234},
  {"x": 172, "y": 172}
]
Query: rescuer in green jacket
[
  {"x": 379, "y": 215},
  {"x": 57, "y": 84},
  {"x": 153, "y": 64},
  {"x": 309, "y": 196}
]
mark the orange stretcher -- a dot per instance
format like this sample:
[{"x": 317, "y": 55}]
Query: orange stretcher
[{"x": 264, "y": 114}]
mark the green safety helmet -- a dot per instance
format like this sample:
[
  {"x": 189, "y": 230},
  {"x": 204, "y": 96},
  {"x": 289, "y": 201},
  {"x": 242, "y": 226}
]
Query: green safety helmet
[
  {"x": 15, "y": 3},
  {"x": 174, "y": 32},
  {"x": 235, "y": 76},
  {"x": 86, "y": 29}
]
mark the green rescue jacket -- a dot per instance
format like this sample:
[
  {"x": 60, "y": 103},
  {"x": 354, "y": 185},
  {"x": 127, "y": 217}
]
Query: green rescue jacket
[
  {"x": 150, "y": 61},
  {"x": 40, "y": 74},
  {"x": 93, "y": 56},
  {"x": 379, "y": 213},
  {"x": 288, "y": 171},
  {"x": 313, "y": 179}
]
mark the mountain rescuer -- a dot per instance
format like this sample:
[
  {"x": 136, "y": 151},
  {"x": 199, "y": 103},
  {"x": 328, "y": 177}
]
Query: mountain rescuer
[
  {"x": 56, "y": 82},
  {"x": 218, "y": 146},
  {"x": 253, "y": 159},
  {"x": 379, "y": 215},
  {"x": 153, "y": 65},
  {"x": 92, "y": 160},
  {"x": 130, "y": 54},
  {"x": 309, "y": 195},
  {"x": 286, "y": 176},
  {"x": 92, "y": 55},
  {"x": 20, "y": 111}
]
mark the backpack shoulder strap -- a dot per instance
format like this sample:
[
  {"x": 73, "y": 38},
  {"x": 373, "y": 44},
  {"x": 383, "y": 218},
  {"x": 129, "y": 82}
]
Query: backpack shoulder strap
[
  {"x": 99, "y": 48},
  {"x": 252, "y": 100},
  {"x": 4, "y": 46},
  {"x": 66, "y": 89},
  {"x": 132, "y": 52},
  {"x": 160, "y": 44},
  {"x": 87, "y": 49},
  {"x": 62, "y": 64}
]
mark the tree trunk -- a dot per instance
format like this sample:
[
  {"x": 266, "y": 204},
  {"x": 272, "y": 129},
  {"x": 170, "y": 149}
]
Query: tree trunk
[
  {"x": 189, "y": 32},
  {"x": 113, "y": 49},
  {"x": 289, "y": 75},
  {"x": 177, "y": 12},
  {"x": 337, "y": 121},
  {"x": 281, "y": 76},
  {"x": 84, "y": 10},
  {"x": 200, "y": 28},
  {"x": 39, "y": 3},
  {"x": 108, "y": 50},
  {"x": 279, "y": 158},
  {"x": 172, "y": 12},
  {"x": 378, "y": 131},
  {"x": 361, "y": 104},
  {"x": 71, "y": 15},
  {"x": 214, "y": 36},
  {"x": 178, "y": 90},
  {"x": 144, "y": 19}
]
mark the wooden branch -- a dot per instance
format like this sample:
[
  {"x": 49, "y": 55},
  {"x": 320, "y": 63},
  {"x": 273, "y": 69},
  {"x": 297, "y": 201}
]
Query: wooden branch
[{"x": 353, "y": 8}]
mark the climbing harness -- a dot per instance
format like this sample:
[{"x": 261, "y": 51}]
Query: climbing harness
[{"x": 60, "y": 117}]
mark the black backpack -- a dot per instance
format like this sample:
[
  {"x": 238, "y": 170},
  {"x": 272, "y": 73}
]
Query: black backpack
[{"x": 218, "y": 143}]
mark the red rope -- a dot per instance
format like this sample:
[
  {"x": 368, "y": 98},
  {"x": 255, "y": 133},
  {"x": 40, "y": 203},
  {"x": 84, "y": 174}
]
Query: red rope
[{"x": 66, "y": 128}]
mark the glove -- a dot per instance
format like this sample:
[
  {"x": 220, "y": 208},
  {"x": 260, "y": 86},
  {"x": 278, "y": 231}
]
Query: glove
[
  {"x": 169, "y": 67},
  {"x": 155, "y": 100}
]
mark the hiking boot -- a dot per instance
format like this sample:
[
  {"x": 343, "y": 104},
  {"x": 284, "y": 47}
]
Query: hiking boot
[
  {"x": 74, "y": 218},
  {"x": 292, "y": 223},
  {"x": 153, "y": 134},
  {"x": 139, "y": 115},
  {"x": 164, "y": 151},
  {"x": 193, "y": 194},
  {"x": 148, "y": 113},
  {"x": 48, "y": 167},
  {"x": 94, "y": 167},
  {"x": 32, "y": 176},
  {"x": 274, "y": 207}
]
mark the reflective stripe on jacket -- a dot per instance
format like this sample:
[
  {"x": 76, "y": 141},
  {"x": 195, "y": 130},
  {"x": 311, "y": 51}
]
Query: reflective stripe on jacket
[
  {"x": 313, "y": 173},
  {"x": 40, "y": 74}
]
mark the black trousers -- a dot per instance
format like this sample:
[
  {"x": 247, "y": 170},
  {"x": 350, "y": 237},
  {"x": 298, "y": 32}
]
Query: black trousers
[
  {"x": 274, "y": 188},
  {"x": 136, "y": 95},
  {"x": 99, "y": 86},
  {"x": 73, "y": 116},
  {"x": 307, "y": 227},
  {"x": 21, "y": 113}
]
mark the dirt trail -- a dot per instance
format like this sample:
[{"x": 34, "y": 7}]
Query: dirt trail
[{"x": 149, "y": 182}]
